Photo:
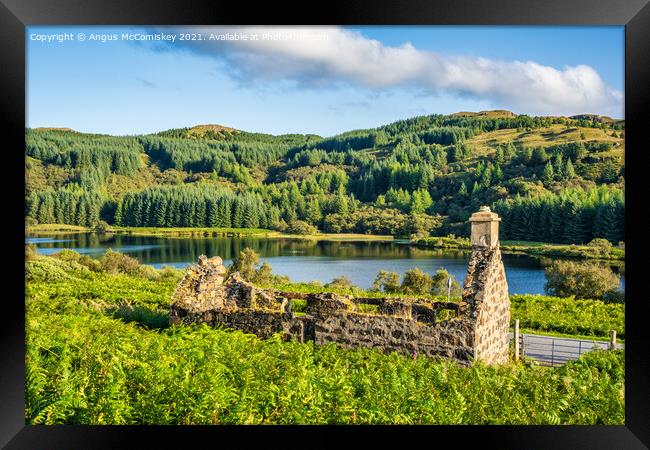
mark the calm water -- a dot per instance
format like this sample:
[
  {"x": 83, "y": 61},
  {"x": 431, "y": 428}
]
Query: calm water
[{"x": 299, "y": 259}]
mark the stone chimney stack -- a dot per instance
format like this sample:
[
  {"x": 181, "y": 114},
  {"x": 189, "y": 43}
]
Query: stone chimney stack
[{"x": 485, "y": 228}]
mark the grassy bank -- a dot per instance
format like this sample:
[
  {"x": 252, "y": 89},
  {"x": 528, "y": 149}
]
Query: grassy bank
[
  {"x": 573, "y": 251},
  {"x": 529, "y": 248},
  {"x": 191, "y": 232},
  {"x": 56, "y": 228},
  {"x": 207, "y": 232},
  {"x": 99, "y": 351}
]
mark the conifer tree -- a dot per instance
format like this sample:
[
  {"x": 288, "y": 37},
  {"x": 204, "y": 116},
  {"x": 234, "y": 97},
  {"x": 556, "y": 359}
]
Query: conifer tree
[
  {"x": 462, "y": 191},
  {"x": 569, "y": 171},
  {"x": 238, "y": 215},
  {"x": 548, "y": 173}
]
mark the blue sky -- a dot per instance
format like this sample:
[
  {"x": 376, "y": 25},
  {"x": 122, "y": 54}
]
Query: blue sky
[{"x": 322, "y": 80}]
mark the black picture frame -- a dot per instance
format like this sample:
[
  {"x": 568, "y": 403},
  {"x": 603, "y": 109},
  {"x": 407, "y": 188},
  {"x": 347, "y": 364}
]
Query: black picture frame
[{"x": 15, "y": 15}]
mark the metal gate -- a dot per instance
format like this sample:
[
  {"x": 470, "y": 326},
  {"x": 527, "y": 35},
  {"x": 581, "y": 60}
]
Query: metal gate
[{"x": 553, "y": 351}]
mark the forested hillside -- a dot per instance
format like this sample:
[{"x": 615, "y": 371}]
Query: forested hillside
[{"x": 553, "y": 179}]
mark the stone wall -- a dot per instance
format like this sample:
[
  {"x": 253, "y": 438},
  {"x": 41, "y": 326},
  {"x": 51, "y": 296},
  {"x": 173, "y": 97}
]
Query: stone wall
[
  {"x": 486, "y": 293},
  {"x": 479, "y": 329}
]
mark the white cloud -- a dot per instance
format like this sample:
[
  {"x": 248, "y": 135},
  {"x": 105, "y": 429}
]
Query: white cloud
[{"x": 323, "y": 56}]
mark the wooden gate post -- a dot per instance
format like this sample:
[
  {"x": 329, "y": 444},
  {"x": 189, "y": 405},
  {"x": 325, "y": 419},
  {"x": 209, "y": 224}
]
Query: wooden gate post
[
  {"x": 517, "y": 340},
  {"x": 612, "y": 341}
]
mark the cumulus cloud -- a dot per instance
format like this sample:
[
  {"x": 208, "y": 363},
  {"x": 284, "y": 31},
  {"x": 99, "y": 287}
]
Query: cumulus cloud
[{"x": 327, "y": 56}]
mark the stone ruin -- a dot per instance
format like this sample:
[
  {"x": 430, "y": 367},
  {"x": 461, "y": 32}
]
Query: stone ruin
[{"x": 478, "y": 328}]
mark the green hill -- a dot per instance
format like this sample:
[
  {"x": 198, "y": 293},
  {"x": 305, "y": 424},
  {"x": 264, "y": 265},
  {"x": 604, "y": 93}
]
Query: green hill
[{"x": 416, "y": 176}]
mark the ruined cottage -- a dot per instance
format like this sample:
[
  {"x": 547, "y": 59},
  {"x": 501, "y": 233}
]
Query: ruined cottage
[{"x": 478, "y": 327}]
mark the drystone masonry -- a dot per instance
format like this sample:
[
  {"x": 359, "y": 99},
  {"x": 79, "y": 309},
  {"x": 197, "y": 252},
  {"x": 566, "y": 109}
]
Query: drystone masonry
[{"x": 477, "y": 330}]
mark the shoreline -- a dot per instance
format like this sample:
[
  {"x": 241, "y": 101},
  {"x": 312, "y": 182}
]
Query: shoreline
[
  {"x": 536, "y": 249},
  {"x": 616, "y": 256},
  {"x": 206, "y": 232}
]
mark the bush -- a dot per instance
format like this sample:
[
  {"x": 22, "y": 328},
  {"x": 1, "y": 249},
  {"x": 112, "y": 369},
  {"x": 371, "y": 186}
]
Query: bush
[
  {"x": 245, "y": 263},
  {"x": 67, "y": 255},
  {"x": 31, "y": 252},
  {"x": 341, "y": 282},
  {"x": 416, "y": 282},
  {"x": 280, "y": 225},
  {"x": 264, "y": 275},
  {"x": 101, "y": 227},
  {"x": 582, "y": 280},
  {"x": 148, "y": 272},
  {"x": 115, "y": 262},
  {"x": 386, "y": 282},
  {"x": 301, "y": 227},
  {"x": 602, "y": 246},
  {"x": 85, "y": 260},
  {"x": 601, "y": 243},
  {"x": 170, "y": 273},
  {"x": 92, "y": 263}
]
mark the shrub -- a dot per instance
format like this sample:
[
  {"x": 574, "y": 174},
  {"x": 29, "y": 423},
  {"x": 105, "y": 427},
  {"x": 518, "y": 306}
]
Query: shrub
[
  {"x": 602, "y": 246},
  {"x": 67, "y": 255},
  {"x": 74, "y": 257},
  {"x": 416, "y": 282},
  {"x": 341, "y": 282},
  {"x": 582, "y": 280},
  {"x": 301, "y": 227},
  {"x": 92, "y": 263},
  {"x": 115, "y": 262},
  {"x": 101, "y": 227},
  {"x": 245, "y": 263},
  {"x": 264, "y": 275},
  {"x": 170, "y": 273},
  {"x": 601, "y": 243},
  {"x": 148, "y": 272},
  {"x": 280, "y": 225},
  {"x": 31, "y": 252},
  {"x": 386, "y": 282}
]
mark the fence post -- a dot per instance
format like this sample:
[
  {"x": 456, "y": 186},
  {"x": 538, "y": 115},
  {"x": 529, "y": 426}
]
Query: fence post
[
  {"x": 612, "y": 341},
  {"x": 517, "y": 340}
]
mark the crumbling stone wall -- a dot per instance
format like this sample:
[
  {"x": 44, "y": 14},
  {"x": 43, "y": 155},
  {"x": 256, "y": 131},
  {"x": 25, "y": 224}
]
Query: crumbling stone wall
[{"x": 479, "y": 329}]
